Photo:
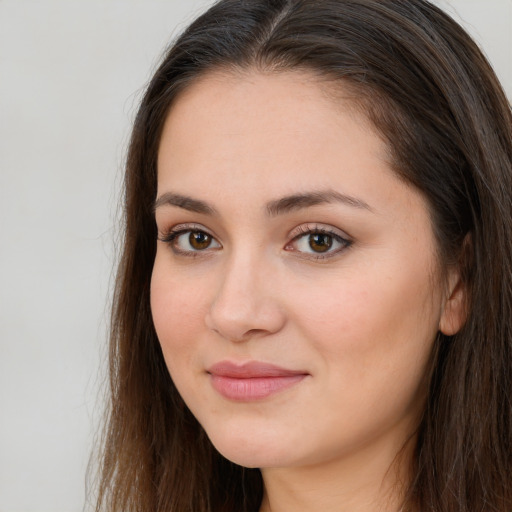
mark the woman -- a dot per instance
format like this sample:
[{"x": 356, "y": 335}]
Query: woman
[{"x": 313, "y": 308}]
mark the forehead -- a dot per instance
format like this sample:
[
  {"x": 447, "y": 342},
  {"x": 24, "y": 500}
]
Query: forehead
[{"x": 264, "y": 126}]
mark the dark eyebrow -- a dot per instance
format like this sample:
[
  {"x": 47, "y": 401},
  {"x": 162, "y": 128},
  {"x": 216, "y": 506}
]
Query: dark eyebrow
[
  {"x": 187, "y": 203},
  {"x": 278, "y": 207},
  {"x": 307, "y": 199}
]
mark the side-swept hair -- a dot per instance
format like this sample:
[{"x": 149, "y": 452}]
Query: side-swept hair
[{"x": 435, "y": 100}]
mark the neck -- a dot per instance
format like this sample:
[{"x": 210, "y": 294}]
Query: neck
[{"x": 372, "y": 480}]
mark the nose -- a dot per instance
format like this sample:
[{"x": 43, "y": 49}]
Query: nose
[{"x": 246, "y": 304}]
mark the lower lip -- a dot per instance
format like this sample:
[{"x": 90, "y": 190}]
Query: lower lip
[{"x": 254, "y": 388}]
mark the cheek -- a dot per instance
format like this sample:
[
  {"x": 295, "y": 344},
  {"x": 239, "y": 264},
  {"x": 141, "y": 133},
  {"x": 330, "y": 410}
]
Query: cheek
[
  {"x": 178, "y": 308},
  {"x": 374, "y": 341},
  {"x": 370, "y": 322}
]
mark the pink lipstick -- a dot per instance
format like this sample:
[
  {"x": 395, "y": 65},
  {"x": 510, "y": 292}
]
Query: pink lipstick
[{"x": 251, "y": 381}]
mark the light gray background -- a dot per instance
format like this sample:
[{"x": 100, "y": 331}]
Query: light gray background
[{"x": 71, "y": 74}]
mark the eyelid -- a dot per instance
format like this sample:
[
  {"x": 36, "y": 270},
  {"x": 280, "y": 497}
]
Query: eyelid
[
  {"x": 317, "y": 227},
  {"x": 168, "y": 236},
  {"x": 183, "y": 227},
  {"x": 307, "y": 229}
]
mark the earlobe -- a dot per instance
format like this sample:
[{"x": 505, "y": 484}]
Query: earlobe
[{"x": 454, "y": 311}]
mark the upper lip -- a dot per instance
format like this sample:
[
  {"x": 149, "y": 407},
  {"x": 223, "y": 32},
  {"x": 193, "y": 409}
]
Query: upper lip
[{"x": 251, "y": 369}]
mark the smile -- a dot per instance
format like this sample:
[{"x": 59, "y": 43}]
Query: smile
[{"x": 251, "y": 381}]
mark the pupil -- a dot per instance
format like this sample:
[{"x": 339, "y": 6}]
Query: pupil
[
  {"x": 320, "y": 242},
  {"x": 199, "y": 240}
]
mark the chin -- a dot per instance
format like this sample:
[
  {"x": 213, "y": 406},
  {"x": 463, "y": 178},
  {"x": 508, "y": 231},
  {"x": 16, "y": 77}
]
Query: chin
[
  {"x": 252, "y": 458},
  {"x": 252, "y": 449}
]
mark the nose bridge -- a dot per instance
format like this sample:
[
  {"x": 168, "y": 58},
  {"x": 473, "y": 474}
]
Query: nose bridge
[
  {"x": 245, "y": 303},
  {"x": 243, "y": 268}
]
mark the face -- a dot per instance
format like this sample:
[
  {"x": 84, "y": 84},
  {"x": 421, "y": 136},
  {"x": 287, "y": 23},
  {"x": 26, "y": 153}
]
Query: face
[{"x": 295, "y": 290}]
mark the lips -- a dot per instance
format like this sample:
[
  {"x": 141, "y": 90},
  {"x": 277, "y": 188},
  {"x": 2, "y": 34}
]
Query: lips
[{"x": 252, "y": 381}]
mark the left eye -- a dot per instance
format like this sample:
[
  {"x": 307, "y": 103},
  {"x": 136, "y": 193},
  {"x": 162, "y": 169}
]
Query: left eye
[{"x": 319, "y": 243}]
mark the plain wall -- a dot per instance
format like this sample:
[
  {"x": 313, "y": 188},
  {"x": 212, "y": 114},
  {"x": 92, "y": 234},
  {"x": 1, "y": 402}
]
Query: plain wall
[{"x": 71, "y": 74}]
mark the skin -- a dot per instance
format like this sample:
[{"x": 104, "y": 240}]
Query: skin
[{"x": 360, "y": 322}]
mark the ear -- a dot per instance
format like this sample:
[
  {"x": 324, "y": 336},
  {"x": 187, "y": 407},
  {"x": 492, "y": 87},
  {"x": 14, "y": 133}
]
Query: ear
[{"x": 454, "y": 313}]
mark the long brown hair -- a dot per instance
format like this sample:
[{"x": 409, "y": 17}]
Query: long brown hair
[{"x": 436, "y": 101}]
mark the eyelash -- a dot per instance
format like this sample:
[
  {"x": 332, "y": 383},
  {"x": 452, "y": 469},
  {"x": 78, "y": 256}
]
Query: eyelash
[
  {"x": 302, "y": 231},
  {"x": 308, "y": 229},
  {"x": 173, "y": 234}
]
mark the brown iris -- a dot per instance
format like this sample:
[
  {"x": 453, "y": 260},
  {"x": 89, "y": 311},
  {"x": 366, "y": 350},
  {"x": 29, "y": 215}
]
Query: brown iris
[
  {"x": 199, "y": 240},
  {"x": 320, "y": 242}
]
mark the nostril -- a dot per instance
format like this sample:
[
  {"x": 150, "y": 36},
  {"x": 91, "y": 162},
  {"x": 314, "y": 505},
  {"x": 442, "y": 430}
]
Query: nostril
[
  {"x": 254, "y": 332},
  {"x": 240, "y": 338}
]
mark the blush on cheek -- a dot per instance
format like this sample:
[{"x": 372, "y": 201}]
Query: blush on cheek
[{"x": 178, "y": 319}]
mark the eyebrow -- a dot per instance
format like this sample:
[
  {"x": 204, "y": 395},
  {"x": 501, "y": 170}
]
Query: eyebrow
[
  {"x": 277, "y": 207},
  {"x": 185, "y": 202},
  {"x": 306, "y": 200}
]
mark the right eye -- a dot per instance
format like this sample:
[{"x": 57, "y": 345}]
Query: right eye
[{"x": 190, "y": 241}]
